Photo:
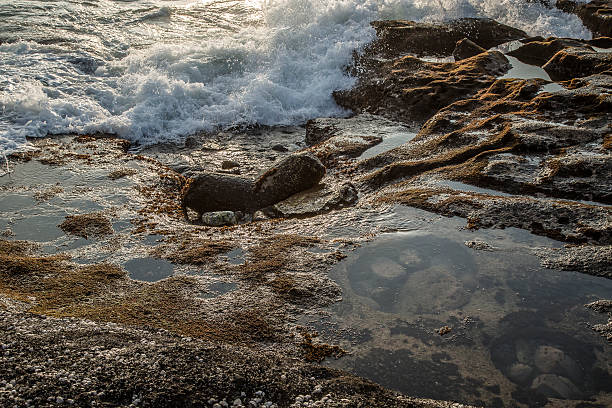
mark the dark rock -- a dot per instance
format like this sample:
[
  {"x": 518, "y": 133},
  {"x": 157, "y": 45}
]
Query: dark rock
[
  {"x": 577, "y": 63},
  {"x": 595, "y": 15},
  {"x": 412, "y": 90},
  {"x": 279, "y": 148},
  {"x": 229, "y": 164},
  {"x": 466, "y": 48},
  {"x": 539, "y": 52},
  {"x": 291, "y": 175},
  {"x": 601, "y": 42},
  {"x": 214, "y": 192},
  {"x": 220, "y": 192},
  {"x": 397, "y": 38}
]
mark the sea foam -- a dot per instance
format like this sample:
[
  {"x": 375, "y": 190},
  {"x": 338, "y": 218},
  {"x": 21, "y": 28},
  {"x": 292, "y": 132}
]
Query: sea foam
[{"x": 215, "y": 64}]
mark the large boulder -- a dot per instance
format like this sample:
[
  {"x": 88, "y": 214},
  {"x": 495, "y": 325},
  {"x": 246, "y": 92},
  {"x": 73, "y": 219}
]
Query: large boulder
[
  {"x": 574, "y": 62},
  {"x": 291, "y": 175}
]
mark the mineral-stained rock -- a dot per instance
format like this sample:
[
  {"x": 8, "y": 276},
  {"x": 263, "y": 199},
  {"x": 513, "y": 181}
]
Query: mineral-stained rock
[
  {"x": 576, "y": 63},
  {"x": 596, "y": 15},
  {"x": 540, "y": 51},
  {"x": 291, "y": 175},
  {"x": 466, "y": 48},
  {"x": 396, "y": 38},
  {"x": 412, "y": 90}
]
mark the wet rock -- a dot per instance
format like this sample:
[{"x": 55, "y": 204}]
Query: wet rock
[
  {"x": 554, "y": 386},
  {"x": 318, "y": 200},
  {"x": 601, "y": 42},
  {"x": 87, "y": 225},
  {"x": 219, "y": 218},
  {"x": 220, "y": 192},
  {"x": 411, "y": 90},
  {"x": 466, "y": 48},
  {"x": 479, "y": 245},
  {"x": 396, "y": 38},
  {"x": 539, "y": 52},
  {"x": 291, "y": 175},
  {"x": 601, "y": 306},
  {"x": 592, "y": 259},
  {"x": 575, "y": 62},
  {"x": 279, "y": 148},
  {"x": 595, "y": 15},
  {"x": 335, "y": 138},
  {"x": 520, "y": 373}
]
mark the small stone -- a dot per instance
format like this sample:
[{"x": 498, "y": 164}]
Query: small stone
[
  {"x": 444, "y": 330},
  {"x": 229, "y": 164},
  {"x": 219, "y": 218},
  {"x": 279, "y": 148},
  {"x": 59, "y": 400}
]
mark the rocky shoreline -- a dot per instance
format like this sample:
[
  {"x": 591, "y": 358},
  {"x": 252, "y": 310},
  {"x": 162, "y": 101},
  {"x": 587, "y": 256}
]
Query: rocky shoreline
[{"x": 462, "y": 132}]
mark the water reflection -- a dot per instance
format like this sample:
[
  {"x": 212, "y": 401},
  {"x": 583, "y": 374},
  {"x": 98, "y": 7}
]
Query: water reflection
[{"x": 517, "y": 332}]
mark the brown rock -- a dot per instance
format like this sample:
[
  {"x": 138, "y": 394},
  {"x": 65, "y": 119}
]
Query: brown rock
[
  {"x": 539, "y": 52},
  {"x": 412, "y": 90},
  {"x": 466, "y": 48},
  {"x": 574, "y": 62}
]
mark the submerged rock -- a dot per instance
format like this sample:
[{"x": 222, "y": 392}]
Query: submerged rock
[{"x": 554, "y": 386}]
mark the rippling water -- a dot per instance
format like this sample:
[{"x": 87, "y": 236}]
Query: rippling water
[{"x": 154, "y": 71}]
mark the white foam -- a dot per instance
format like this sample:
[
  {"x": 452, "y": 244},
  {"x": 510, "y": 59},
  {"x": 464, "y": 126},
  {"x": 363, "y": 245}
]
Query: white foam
[{"x": 272, "y": 63}]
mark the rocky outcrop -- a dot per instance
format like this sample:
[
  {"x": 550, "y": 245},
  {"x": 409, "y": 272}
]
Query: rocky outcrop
[
  {"x": 412, "y": 90},
  {"x": 215, "y": 192},
  {"x": 595, "y": 15},
  {"x": 397, "y": 38},
  {"x": 574, "y": 62}
]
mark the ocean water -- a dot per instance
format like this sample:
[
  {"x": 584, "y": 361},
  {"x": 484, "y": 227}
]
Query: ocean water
[{"x": 158, "y": 71}]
